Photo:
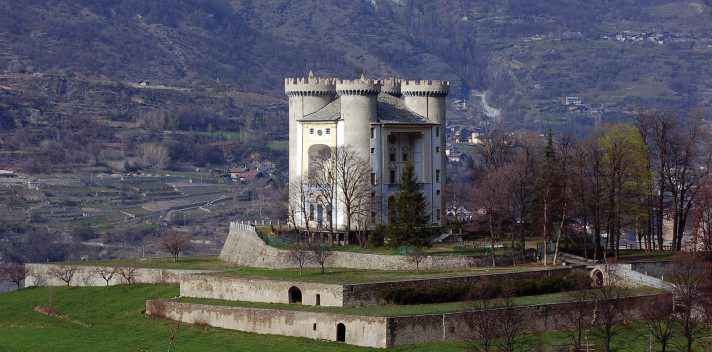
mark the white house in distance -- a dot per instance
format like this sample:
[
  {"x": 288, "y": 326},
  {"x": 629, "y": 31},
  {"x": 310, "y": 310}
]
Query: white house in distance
[{"x": 387, "y": 122}]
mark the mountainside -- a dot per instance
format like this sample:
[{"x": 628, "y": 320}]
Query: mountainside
[{"x": 523, "y": 57}]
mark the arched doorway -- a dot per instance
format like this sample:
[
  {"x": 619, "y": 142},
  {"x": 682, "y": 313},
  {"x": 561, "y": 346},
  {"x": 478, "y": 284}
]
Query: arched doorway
[
  {"x": 295, "y": 295},
  {"x": 340, "y": 332},
  {"x": 598, "y": 278}
]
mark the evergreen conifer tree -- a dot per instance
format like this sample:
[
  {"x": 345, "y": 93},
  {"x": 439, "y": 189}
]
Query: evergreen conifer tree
[{"x": 411, "y": 219}]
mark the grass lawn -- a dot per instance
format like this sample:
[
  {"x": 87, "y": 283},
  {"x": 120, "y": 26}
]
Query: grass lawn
[
  {"x": 332, "y": 275},
  {"x": 346, "y": 276},
  {"x": 403, "y": 310},
  {"x": 111, "y": 319}
]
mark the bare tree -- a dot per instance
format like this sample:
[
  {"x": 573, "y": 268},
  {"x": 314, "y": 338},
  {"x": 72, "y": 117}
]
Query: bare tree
[
  {"x": 509, "y": 324},
  {"x": 416, "y": 257},
  {"x": 495, "y": 200},
  {"x": 175, "y": 243},
  {"x": 300, "y": 196},
  {"x": 660, "y": 319},
  {"x": 353, "y": 176},
  {"x": 702, "y": 219},
  {"x": 106, "y": 273},
  {"x": 689, "y": 279},
  {"x": 153, "y": 156},
  {"x": 320, "y": 254},
  {"x": 15, "y": 273},
  {"x": 301, "y": 255},
  {"x": 481, "y": 324},
  {"x": 610, "y": 313},
  {"x": 579, "y": 316},
  {"x": 324, "y": 182},
  {"x": 128, "y": 274},
  {"x": 64, "y": 273}
]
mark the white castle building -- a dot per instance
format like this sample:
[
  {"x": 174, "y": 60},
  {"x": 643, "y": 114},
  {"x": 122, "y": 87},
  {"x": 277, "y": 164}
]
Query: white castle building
[{"x": 389, "y": 123}]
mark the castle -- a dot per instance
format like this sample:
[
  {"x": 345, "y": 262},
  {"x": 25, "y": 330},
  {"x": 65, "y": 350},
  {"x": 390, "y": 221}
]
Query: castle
[{"x": 388, "y": 123}]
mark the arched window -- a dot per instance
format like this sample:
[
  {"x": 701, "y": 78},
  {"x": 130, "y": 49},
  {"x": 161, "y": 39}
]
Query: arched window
[
  {"x": 340, "y": 332},
  {"x": 318, "y": 300},
  {"x": 295, "y": 295}
]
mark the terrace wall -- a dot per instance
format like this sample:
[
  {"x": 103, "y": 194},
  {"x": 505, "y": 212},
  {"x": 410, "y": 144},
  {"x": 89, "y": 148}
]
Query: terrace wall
[
  {"x": 374, "y": 293},
  {"x": 40, "y": 275},
  {"x": 453, "y": 327},
  {"x": 370, "y": 331},
  {"x": 360, "y": 331},
  {"x": 244, "y": 247},
  {"x": 257, "y": 290}
]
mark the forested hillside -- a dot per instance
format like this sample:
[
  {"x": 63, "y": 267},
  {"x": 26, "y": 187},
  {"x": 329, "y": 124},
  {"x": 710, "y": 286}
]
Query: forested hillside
[{"x": 220, "y": 62}]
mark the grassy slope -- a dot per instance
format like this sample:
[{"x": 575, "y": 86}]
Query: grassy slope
[
  {"x": 333, "y": 275},
  {"x": 110, "y": 319}
]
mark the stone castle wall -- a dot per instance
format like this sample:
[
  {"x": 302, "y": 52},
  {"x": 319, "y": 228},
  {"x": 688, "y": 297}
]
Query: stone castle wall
[
  {"x": 41, "y": 275},
  {"x": 454, "y": 327},
  {"x": 381, "y": 332},
  {"x": 360, "y": 331},
  {"x": 244, "y": 247},
  {"x": 256, "y": 290}
]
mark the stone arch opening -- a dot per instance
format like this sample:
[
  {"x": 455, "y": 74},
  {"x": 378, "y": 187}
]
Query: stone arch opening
[
  {"x": 340, "y": 332},
  {"x": 317, "y": 154},
  {"x": 295, "y": 295},
  {"x": 318, "y": 299},
  {"x": 598, "y": 278}
]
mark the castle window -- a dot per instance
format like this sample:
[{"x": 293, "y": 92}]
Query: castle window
[
  {"x": 373, "y": 178},
  {"x": 373, "y": 194},
  {"x": 437, "y": 149},
  {"x": 437, "y": 175},
  {"x": 373, "y": 150},
  {"x": 318, "y": 132},
  {"x": 328, "y": 131},
  {"x": 372, "y": 132},
  {"x": 392, "y": 176},
  {"x": 311, "y": 131},
  {"x": 392, "y": 157},
  {"x": 437, "y": 131},
  {"x": 437, "y": 192},
  {"x": 405, "y": 157}
]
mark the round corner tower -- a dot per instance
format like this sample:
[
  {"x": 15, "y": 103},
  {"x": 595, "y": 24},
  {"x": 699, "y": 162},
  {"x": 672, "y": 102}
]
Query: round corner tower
[
  {"x": 359, "y": 102},
  {"x": 426, "y": 98},
  {"x": 306, "y": 95}
]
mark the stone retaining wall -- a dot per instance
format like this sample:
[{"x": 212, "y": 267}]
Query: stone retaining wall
[
  {"x": 368, "y": 331},
  {"x": 360, "y": 331},
  {"x": 245, "y": 248},
  {"x": 256, "y": 290},
  {"x": 453, "y": 327},
  {"x": 336, "y": 295},
  {"x": 374, "y": 293},
  {"x": 41, "y": 275}
]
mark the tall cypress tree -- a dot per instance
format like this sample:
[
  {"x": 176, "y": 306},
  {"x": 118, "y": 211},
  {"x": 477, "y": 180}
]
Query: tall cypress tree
[{"x": 411, "y": 223}]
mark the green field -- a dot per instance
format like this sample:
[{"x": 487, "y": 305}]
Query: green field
[
  {"x": 111, "y": 319},
  {"x": 404, "y": 310}
]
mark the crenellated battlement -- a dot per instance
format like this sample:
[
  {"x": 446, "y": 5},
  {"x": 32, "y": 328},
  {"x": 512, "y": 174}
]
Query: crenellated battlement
[
  {"x": 391, "y": 86},
  {"x": 310, "y": 86},
  {"x": 424, "y": 87},
  {"x": 361, "y": 86}
]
